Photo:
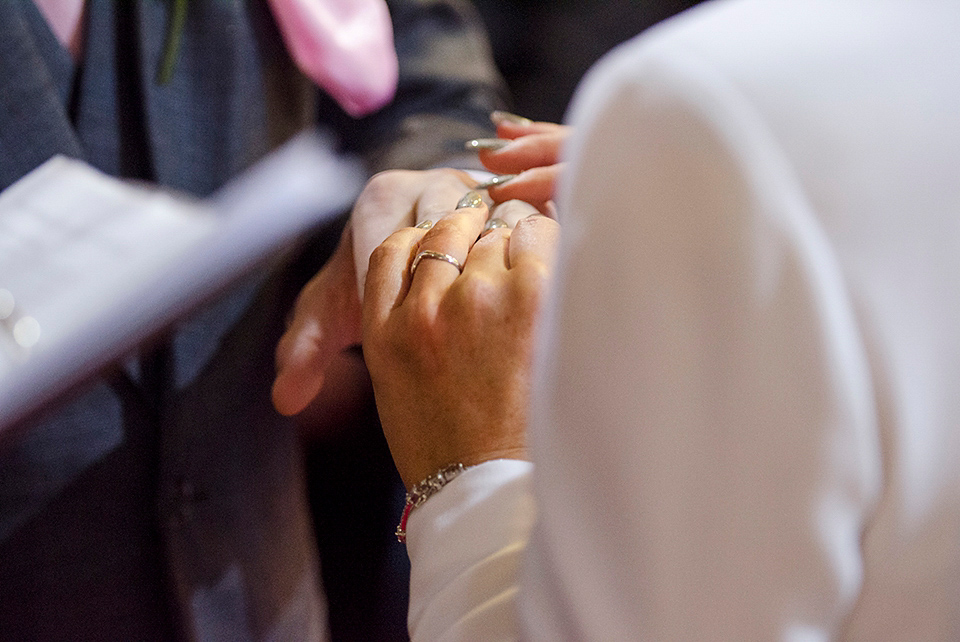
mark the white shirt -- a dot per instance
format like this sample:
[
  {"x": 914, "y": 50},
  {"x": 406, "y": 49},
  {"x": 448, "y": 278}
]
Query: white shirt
[{"x": 748, "y": 424}]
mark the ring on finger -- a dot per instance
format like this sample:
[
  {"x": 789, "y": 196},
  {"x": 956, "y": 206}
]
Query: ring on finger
[{"x": 440, "y": 256}]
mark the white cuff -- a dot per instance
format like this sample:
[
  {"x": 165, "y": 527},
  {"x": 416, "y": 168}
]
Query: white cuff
[{"x": 464, "y": 545}]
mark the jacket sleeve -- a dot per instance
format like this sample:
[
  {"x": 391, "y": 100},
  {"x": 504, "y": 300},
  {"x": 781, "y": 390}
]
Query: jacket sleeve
[{"x": 448, "y": 85}]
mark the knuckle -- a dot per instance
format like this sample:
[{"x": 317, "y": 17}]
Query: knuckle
[
  {"x": 538, "y": 231},
  {"x": 477, "y": 287},
  {"x": 382, "y": 184},
  {"x": 380, "y": 256},
  {"x": 387, "y": 178},
  {"x": 529, "y": 222},
  {"x": 446, "y": 225},
  {"x": 475, "y": 295},
  {"x": 395, "y": 248},
  {"x": 447, "y": 232},
  {"x": 536, "y": 221}
]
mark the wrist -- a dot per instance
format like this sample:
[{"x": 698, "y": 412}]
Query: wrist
[
  {"x": 415, "y": 469},
  {"x": 424, "y": 490},
  {"x": 433, "y": 483}
]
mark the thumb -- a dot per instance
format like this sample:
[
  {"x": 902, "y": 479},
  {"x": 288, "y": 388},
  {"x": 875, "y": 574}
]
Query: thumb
[{"x": 327, "y": 320}]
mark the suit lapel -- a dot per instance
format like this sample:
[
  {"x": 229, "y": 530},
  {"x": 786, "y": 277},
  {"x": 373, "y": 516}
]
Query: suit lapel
[
  {"x": 234, "y": 94},
  {"x": 59, "y": 64},
  {"x": 34, "y": 123},
  {"x": 189, "y": 119}
]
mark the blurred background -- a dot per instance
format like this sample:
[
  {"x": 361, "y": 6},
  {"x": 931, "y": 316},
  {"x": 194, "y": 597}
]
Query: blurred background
[{"x": 543, "y": 47}]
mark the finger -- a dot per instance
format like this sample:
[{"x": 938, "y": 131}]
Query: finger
[
  {"x": 388, "y": 278},
  {"x": 386, "y": 204},
  {"x": 511, "y": 212},
  {"x": 390, "y": 201},
  {"x": 452, "y": 235},
  {"x": 536, "y": 150},
  {"x": 300, "y": 378},
  {"x": 516, "y": 130},
  {"x": 489, "y": 254},
  {"x": 511, "y": 126},
  {"x": 438, "y": 195},
  {"x": 535, "y": 186},
  {"x": 326, "y": 320},
  {"x": 533, "y": 244}
]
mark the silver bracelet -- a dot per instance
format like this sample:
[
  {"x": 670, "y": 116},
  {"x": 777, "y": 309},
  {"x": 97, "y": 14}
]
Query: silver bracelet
[{"x": 424, "y": 490}]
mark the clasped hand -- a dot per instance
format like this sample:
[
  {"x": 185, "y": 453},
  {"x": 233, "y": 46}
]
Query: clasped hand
[
  {"x": 327, "y": 315},
  {"x": 450, "y": 352}
]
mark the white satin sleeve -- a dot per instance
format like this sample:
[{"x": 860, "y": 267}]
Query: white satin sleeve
[
  {"x": 704, "y": 431},
  {"x": 464, "y": 545}
]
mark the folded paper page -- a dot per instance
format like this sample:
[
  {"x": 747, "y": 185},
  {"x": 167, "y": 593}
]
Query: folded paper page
[{"x": 90, "y": 266}]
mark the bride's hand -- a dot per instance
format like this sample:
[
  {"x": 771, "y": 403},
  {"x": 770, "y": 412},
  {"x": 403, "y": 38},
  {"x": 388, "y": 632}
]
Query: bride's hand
[
  {"x": 530, "y": 152},
  {"x": 450, "y": 353}
]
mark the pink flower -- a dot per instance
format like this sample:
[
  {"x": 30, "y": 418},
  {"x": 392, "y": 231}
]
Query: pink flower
[{"x": 345, "y": 46}]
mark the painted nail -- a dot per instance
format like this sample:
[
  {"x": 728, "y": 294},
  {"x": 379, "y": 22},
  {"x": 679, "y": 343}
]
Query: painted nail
[
  {"x": 494, "y": 223},
  {"x": 471, "y": 199},
  {"x": 486, "y": 144},
  {"x": 506, "y": 117},
  {"x": 424, "y": 225},
  {"x": 496, "y": 180}
]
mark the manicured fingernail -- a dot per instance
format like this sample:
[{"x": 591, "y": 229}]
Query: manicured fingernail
[
  {"x": 496, "y": 180},
  {"x": 471, "y": 199},
  {"x": 487, "y": 144},
  {"x": 494, "y": 223},
  {"x": 499, "y": 117},
  {"x": 424, "y": 225}
]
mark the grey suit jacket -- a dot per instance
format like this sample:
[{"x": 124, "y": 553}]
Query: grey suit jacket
[{"x": 167, "y": 498}]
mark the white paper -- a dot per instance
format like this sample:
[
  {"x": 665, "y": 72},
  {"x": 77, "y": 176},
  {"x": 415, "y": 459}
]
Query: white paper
[{"x": 90, "y": 265}]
